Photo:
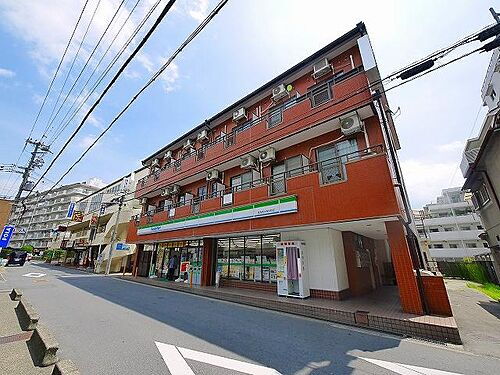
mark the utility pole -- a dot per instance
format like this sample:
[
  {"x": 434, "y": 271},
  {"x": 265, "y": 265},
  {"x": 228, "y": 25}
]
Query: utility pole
[
  {"x": 112, "y": 243},
  {"x": 34, "y": 162}
]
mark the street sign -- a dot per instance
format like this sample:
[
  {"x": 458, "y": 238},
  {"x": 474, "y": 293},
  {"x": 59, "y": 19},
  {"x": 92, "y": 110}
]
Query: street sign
[
  {"x": 7, "y": 233},
  {"x": 102, "y": 210},
  {"x": 78, "y": 216},
  {"x": 71, "y": 209},
  {"x": 175, "y": 359},
  {"x": 122, "y": 246}
]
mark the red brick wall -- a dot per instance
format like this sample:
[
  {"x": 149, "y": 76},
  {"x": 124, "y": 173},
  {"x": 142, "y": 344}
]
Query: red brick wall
[
  {"x": 436, "y": 295},
  {"x": 265, "y": 287},
  {"x": 403, "y": 268}
]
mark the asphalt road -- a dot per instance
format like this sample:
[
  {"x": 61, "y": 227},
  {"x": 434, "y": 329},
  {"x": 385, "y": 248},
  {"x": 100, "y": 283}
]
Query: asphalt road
[{"x": 110, "y": 326}]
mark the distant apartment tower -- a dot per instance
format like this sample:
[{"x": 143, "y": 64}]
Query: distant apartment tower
[
  {"x": 450, "y": 228},
  {"x": 481, "y": 161},
  {"x": 44, "y": 214}
]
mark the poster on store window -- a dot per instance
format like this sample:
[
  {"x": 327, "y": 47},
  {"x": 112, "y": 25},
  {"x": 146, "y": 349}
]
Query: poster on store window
[{"x": 184, "y": 267}]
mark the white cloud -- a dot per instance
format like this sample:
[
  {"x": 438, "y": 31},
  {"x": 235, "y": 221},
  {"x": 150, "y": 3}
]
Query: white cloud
[
  {"x": 97, "y": 182},
  {"x": 452, "y": 146},
  {"x": 198, "y": 9},
  {"x": 6, "y": 73},
  {"x": 87, "y": 141},
  {"x": 425, "y": 180},
  {"x": 170, "y": 77}
]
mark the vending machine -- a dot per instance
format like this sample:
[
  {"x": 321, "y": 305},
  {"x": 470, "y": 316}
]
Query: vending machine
[{"x": 291, "y": 269}]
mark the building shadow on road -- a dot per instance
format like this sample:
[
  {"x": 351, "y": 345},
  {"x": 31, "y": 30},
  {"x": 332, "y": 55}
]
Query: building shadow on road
[
  {"x": 492, "y": 307},
  {"x": 287, "y": 343}
]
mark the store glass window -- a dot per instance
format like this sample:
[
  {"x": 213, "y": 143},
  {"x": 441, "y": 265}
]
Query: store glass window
[
  {"x": 223, "y": 257},
  {"x": 253, "y": 266},
  {"x": 236, "y": 256},
  {"x": 269, "y": 257}
]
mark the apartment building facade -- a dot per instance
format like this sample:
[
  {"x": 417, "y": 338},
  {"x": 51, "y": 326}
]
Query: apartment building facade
[
  {"x": 450, "y": 228},
  {"x": 481, "y": 161},
  {"x": 292, "y": 189},
  {"x": 44, "y": 214},
  {"x": 100, "y": 224}
]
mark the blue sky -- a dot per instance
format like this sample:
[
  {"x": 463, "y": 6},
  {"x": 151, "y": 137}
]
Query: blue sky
[{"x": 247, "y": 44}]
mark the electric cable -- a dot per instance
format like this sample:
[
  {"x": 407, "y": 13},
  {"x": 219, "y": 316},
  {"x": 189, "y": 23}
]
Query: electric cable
[
  {"x": 85, "y": 65},
  {"x": 100, "y": 61},
  {"x": 62, "y": 127},
  {"x": 164, "y": 12}
]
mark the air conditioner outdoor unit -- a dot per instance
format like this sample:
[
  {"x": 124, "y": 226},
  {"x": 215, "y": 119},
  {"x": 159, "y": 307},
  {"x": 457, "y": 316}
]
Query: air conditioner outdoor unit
[
  {"x": 240, "y": 114},
  {"x": 144, "y": 200},
  {"x": 166, "y": 192},
  {"x": 175, "y": 189},
  {"x": 248, "y": 162},
  {"x": 188, "y": 144},
  {"x": 202, "y": 136},
  {"x": 155, "y": 163},
  {"x": 268, "y": 154},
  {"x": 168, "y": 154},
  {"x": 279, "y": 92},
  {"x": 351, "y": 124},
  {"x": 212, "y": 175},
  {"x": 321, "y": 68}
]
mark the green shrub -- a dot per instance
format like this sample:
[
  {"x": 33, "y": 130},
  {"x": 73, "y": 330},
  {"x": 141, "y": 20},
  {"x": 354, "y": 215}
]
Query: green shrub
[
  {"x": 27, "y": 248},
  {"x": 4, "y": 253}
]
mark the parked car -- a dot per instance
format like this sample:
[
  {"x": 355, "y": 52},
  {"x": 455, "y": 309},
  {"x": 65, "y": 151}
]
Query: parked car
[{"x": 17, "y": 257}]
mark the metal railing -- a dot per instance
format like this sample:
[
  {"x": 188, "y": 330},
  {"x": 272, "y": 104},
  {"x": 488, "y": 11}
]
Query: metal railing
[{"x": 330, "y": 170}]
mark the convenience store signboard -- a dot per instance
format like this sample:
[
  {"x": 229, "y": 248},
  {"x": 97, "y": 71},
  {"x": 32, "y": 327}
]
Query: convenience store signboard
[{"x": 279, "y": 206}]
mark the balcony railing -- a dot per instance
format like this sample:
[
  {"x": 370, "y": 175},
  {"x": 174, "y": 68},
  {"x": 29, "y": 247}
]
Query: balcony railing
[
  {"x": 229, "y": 139},
  {"x": 331, "y": 171}
]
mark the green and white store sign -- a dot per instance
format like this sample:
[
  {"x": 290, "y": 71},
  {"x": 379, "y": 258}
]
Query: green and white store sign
[{"x": 273, "y": 207}]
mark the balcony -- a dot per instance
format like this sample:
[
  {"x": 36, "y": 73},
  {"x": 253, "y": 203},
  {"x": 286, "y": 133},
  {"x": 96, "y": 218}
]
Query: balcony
[
  {"x": 354, "y": 186},
  {"x": 462, "y": 235},
  {"x": 297, "y": 114}
]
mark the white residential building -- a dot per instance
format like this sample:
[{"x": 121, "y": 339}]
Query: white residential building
[
  {"x": 44, "y": 214},
  {"x": 450, "y": 228},
  {"x": 88, "y": 241}
]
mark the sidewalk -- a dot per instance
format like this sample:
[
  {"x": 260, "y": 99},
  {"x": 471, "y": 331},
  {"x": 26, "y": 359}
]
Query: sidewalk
[
  {"x": 477, "y": 316},
  {"x": 379, "y": 310}
]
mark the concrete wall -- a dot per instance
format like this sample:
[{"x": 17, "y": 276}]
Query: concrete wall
[{"x": 325, "y": 257}]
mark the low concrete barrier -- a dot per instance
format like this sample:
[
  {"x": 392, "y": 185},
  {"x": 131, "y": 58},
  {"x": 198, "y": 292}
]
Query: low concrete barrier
[
  {"x": 16, "y": 294},
  {"x": 28, "y": 317},
  {"x": 43, "y": 347},
  {"x": 65, "y": 367}
]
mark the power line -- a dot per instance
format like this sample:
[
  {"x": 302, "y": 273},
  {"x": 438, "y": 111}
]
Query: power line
[
  {"x": 5, "y": 185},
  {"x": 62, "y": 124},
  {"x": 200, "y": 27},
  {"x": 106, "y": 71},
  {"x": 85, "y": 65},
  {"x": 164, "y": 12},
  {"x": 72, "y": 64}
]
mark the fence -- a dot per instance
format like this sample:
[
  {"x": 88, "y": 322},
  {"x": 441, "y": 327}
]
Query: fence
[{"x": 480, "y": 271}]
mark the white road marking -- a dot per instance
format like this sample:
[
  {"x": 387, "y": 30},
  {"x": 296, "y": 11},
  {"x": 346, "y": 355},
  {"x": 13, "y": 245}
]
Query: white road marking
[
  {"x": 402, "y": 369},
  {"x": 34, "y": 274},
  {"x": 174, "y": 358},
  {"x": 176, "y": 364}
]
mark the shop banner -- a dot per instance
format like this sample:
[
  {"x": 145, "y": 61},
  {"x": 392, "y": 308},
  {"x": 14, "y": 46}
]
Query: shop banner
[{"x": 278, "y": 206}]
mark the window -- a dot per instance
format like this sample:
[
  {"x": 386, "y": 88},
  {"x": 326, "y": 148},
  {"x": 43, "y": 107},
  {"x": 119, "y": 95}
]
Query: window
[
  {"x": 278, "y": 184},
  {"x": 438, "y": 246},
  {"x": 242, "y": 181},
  {"x": 202, "y": 192},
  {"x": 321, "y": 95},
  {"x": 471, "y": 244},
  {"x": 453, "y": 246},
  {"x": 481, "y": 197},
  {"x": 161, "y": 205},
  {"x": 493, "y": 94},
  {"x": 480, "y": 227},
  {"x": 433, "y": 230},
  {"x": 331, "y": 158},
  {"x": 275, "y": 117},
  {"x": 449, "y": 229},
  {"x": 464, "y": 227},
  {"x": 485, "y": 244}
]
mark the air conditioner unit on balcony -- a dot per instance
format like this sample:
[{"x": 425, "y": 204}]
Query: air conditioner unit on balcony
[
  {"x": 168, "y": 155},
  {"x": 269, "y": 154},
  {"x": 155, "y": 163},
  {"x": 212, "y": 175},
  {"x": 144, "y": 200},
  {"x": 188, "y": 145},
  {"x": 279, "y": 92},
  {"x": 240, "y": 114},
  {"x": 248, "y": 162},
  {"x": 202, "y": 136},
  {"x": 175, "y": 189},
  {"x": 351, "y": 124},
  {"x": 166, "y": 192},
  {"x": 321, "y": 68}
]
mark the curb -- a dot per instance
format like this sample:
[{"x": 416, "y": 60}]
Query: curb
[
  {"x": 28, "y": 317},
  {"x": 65, "y": 367},
  {"x": 43, "y": 347},
  {"x": 16, "y": 294}
]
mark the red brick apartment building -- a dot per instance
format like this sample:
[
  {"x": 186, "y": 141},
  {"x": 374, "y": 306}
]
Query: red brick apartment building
[{"x": 294, "y": 189}]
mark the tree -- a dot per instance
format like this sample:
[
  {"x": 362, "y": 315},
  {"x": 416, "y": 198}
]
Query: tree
[{"x": 27, "y": 248}]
